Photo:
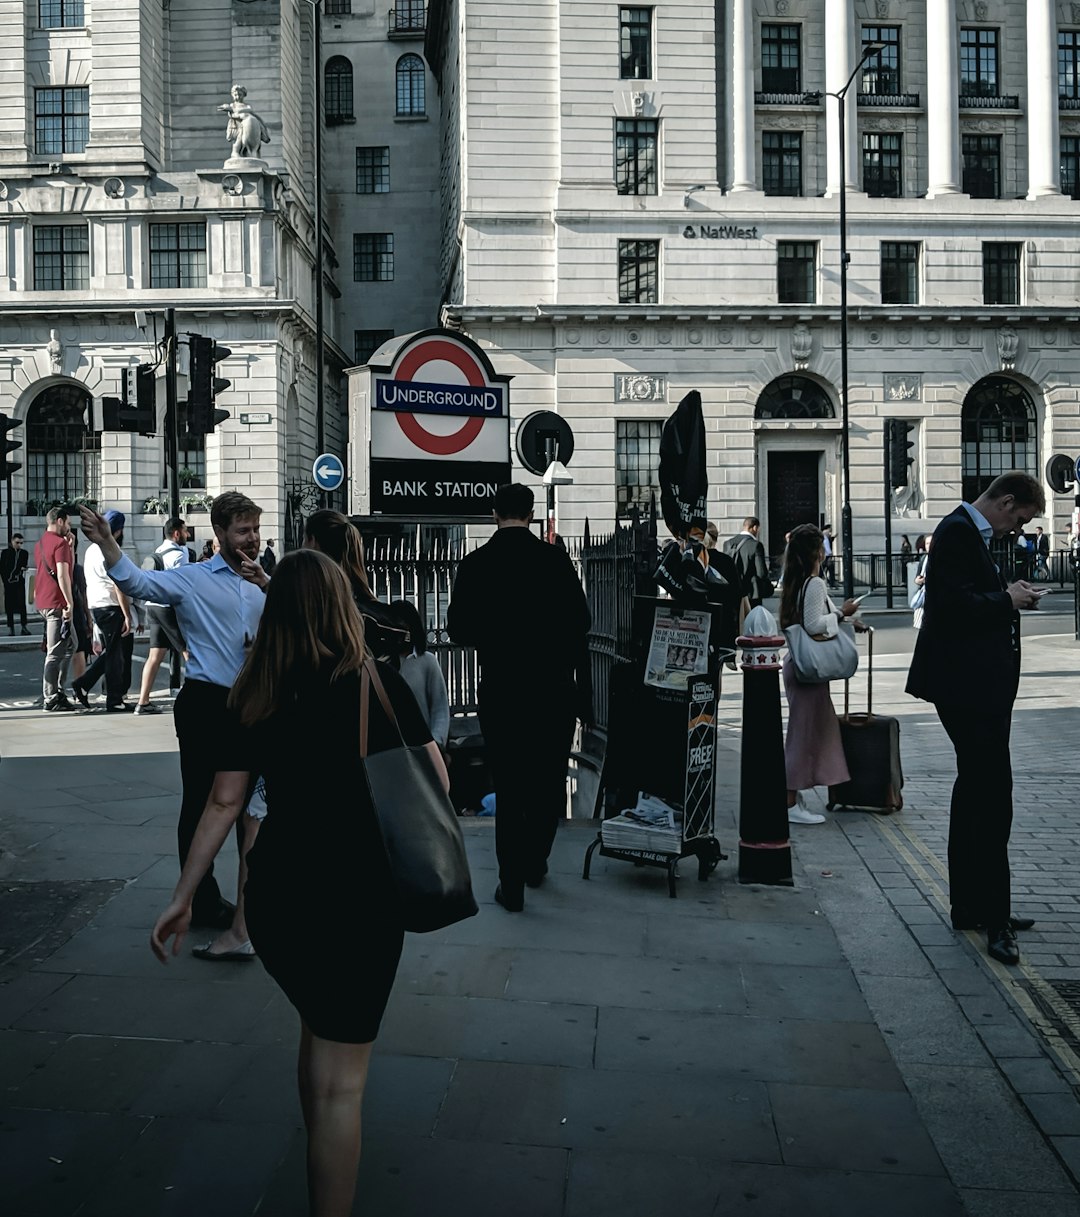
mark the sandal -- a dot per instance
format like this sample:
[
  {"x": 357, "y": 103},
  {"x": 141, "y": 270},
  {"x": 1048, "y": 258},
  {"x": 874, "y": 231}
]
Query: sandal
[{"x": 241, "y": 954}]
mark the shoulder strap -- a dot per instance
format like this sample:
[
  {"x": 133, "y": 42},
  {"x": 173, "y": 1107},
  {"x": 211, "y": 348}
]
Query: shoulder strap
[{"x": 369, "y": 675}]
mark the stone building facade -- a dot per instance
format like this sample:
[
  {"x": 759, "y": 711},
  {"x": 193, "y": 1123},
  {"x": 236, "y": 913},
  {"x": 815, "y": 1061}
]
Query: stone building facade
[
  {"x": 115, "y": 204},
  {"x": 643, "y": 200}
]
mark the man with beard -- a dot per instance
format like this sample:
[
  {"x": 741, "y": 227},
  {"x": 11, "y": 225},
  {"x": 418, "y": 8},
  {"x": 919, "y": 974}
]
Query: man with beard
[{"x": 218, "y": 605}]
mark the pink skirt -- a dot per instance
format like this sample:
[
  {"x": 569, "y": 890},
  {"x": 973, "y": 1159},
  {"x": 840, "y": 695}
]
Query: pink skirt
[{"x": 813, "y": 753}]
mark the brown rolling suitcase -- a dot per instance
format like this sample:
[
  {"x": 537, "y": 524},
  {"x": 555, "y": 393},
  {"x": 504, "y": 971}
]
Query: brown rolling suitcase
[{"x": 872, "y": 749}]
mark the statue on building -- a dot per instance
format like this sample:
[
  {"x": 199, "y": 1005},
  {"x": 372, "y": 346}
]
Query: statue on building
[
  {"x": 55, "y": 352},
  {"x": 1008, "y": 343},
  {"x": 246, "y": 129},
  {"x": 802, "y": 345}
]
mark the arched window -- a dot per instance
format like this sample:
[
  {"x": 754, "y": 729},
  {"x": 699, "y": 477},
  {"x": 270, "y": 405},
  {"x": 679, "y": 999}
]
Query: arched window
[
  {"x": 63, "y": 454},
  {"x": 410, "y": 85},
  {"x": 338, "y": 91},
  {"x": 997, "y": 433},
  {"x": 794, "y": 397}
]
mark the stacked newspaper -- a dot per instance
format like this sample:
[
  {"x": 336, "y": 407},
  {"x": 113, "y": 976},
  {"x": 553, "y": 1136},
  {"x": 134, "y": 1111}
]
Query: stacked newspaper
[{"x": 650, "y": 824}]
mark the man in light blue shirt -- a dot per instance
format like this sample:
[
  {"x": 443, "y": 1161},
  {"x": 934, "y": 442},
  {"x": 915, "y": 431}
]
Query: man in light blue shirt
[{"x": 218, "y": 604}]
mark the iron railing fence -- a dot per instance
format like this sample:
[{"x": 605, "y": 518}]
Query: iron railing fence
[{"x": 869, "y": 570}]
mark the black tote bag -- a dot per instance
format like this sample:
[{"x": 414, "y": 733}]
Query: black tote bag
[{"x": 418, "y": 823}]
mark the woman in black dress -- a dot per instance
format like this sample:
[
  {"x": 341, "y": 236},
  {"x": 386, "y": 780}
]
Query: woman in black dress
[{"x": 319, "y": 887}]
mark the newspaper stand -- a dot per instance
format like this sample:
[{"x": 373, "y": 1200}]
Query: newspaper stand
[{"x": 662, "y": 740}]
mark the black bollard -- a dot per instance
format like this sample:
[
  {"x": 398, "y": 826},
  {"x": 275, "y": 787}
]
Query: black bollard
[{"x": 764, "y": 848}]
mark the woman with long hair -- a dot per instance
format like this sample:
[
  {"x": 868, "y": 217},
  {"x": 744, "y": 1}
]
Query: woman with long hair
[
  {"x": 319, "y": 889},
  {"x": 813, "y": 752},
  {"x": 336, "y": 536}
]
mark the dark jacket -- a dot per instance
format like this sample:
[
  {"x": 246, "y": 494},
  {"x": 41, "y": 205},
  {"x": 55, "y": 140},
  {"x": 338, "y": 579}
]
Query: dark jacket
[
  {"x": 968, "y": 650},
  {"x": 520, "y": 603},
  {"x": 13, "y": 564},
  {"x": 749, "y": 555}
]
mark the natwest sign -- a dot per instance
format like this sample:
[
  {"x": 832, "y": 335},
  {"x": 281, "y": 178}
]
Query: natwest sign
[{"x": 439, "y": 429}]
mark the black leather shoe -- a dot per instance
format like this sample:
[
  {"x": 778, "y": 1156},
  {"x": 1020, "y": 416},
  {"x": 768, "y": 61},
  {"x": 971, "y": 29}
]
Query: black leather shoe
[
  {"x": 81, "y": 695},
  {"x": 1020, "y": 923},
  {"x": 513, "y": 902},
  {"x": 1001, "y": 945},
  {"x": 537, "y": 876},
  {"x": 215, "y": 917}
]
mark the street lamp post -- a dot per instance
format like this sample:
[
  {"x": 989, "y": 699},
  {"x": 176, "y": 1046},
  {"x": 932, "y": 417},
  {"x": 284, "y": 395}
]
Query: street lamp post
[
  {"x": 846, "y": 543},
  {"x": 320, "y": 335}
]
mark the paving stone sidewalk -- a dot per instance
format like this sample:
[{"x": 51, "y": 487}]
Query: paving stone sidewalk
[{"x": 739, "y": 1050}]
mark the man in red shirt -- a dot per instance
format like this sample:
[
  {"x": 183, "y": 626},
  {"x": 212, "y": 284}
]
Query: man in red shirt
[{"x": 53, "y": 597}]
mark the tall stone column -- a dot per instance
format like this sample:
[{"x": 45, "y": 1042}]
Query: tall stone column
[
  {"x": 741, "y": 74},
  {"x": 840, "y": 57},
  {"x": 943, "y": 97},
  {"x": 1042, "y": 100}
]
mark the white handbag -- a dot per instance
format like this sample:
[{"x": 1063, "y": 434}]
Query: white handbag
[{"x": 819, "y": 659}]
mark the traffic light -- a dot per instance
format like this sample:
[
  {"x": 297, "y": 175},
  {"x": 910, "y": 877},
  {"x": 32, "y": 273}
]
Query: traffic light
[
  {"x": 204, "y": 386},
  {"x": 136, "y": 411},
  {"x": 7, "y": 468},
  {"x": 900, "y": 457}
]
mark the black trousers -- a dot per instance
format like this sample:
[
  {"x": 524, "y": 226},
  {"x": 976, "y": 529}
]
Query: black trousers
[
  {"x": 203, "y": 731},
  {"x": 113, "y": 658},
  {"x": 15, "y": 603},
  {"x": 528, "y": 757},
  {"x": 980, "y": 818}
]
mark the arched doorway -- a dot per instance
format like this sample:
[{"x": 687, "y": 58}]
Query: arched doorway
[
  {"x": 63, "y": 453},
  {"x": 792, "y": 463},
  {"x": 997, "y": 433}
]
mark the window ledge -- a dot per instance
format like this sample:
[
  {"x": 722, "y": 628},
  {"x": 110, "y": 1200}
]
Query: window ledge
[
  {"x": 410, "y": 118},
  {"x": 339, "y": 120}
]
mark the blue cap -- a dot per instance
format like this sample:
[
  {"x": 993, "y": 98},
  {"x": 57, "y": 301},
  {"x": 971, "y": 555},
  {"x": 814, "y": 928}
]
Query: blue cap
[{"x": 115, "y": 521}]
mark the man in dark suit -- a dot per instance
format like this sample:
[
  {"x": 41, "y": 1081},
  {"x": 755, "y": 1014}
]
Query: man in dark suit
[
  {"x": 753, "y": 566},
  {"x": 520, "y": 602},
  {"x": 967, "y": 662}
]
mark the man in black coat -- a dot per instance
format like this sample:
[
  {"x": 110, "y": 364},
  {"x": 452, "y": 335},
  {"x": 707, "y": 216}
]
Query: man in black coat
[
  {"x": 520, "y": 602},
  {"x": 13, "y": 563},
  {"x": 753, "y": 565},
  {"x": 967, "y": 662}
]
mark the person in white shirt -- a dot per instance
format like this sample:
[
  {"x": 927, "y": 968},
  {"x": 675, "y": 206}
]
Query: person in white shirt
[
  {"x": 165, "y": 634},
  {"x": 111, "y": 611}
]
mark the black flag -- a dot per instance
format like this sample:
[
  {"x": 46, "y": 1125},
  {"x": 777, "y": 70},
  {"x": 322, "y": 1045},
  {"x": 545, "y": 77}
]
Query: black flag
[{"x": 684, "y": 484}]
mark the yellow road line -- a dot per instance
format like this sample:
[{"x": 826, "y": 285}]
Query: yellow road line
[{"x": 1066, "y": 1055}]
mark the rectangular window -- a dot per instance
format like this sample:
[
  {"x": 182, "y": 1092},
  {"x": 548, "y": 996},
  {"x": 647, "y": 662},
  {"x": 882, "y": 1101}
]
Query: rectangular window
[
  {"x": 373, "y": 171},
  {"x": 373, "y": 257},
  {"x": 637, "y": 458},
  {"x": 881, "y": 74},
  {"x": 978, "y": 62},
  {"x": 337, "y": 8},
  {"x": 781, "y": 59},
  {"x": 882, "y": 165},
  {"x": 1001, "y": 272},
  {"x": 1070, "y": 166},
  {"x": 639, "y": 272},
  {"x": 367, "y": 342},
  {"x": 899, "y": 272},
  {"x": 178, "y": 255},
  {"x": 796, "y": 272},
  {"x": 982, "y": 166},
  {"x": 60, "y": 14},
  {"x": 61, "y": 120},
  {"x": 1068, "y": 58},
  {"x": 635, "y": 155},
  {"x": 781, "y": 162},
  {"x": 635, "y": 43},
  {"x": 61, "y": 257}
]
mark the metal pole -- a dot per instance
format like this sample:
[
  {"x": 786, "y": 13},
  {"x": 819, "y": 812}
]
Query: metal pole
[
  {"x": 845, "y": 438},
  {"x": 10, "y": 521},
  {"x": 549, "y": 457},
  {"x": 320, "y": 337},
  {"x": 171, "y": 460},
  {"x": 888, "y": 512}
]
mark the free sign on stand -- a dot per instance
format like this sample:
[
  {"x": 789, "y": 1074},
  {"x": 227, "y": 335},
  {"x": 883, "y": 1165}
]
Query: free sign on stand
[
  {"x": 328, "y": 471},
  {"x": 440, "y": 430}
]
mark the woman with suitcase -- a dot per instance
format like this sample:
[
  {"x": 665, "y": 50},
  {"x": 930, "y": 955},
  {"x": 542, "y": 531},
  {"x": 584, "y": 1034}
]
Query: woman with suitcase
[{"x": 813, "y": 753}]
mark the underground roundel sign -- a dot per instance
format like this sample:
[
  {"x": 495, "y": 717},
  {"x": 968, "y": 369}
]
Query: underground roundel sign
[{"x": 440, "y": 429}]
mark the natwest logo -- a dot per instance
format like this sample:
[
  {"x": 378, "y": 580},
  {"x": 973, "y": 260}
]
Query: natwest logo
[{"x": 720, "y": 232}]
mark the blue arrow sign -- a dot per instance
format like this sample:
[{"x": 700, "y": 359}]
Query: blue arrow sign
[{"x": 328, "y": 471}]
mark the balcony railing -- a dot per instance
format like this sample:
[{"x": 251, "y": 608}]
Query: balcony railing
[
  {"x": 787, "y": 99},
  {"x": 407, "y": 21},
  {"x": 889, "y": 99},
  {"x": 1069, "y": 103},
  {"x": 1003, "y": 101}
]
